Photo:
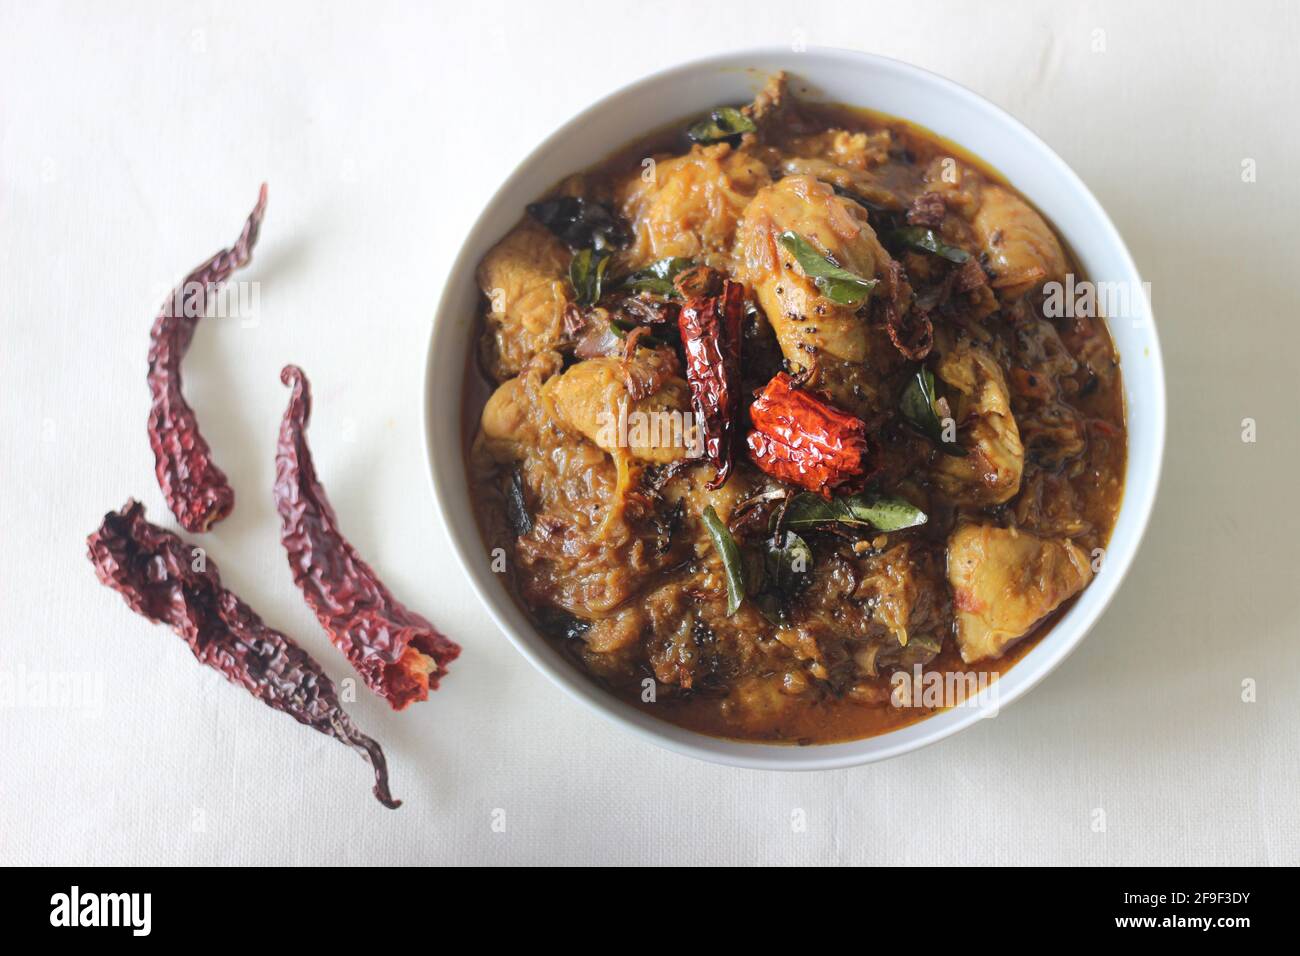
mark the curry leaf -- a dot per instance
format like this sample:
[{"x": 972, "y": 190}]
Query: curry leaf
[
  {"x": 581, "y": 223},
  {"x": 918, "y": 404},
  {"x": 657, "y": 277},
  {"x": 775, "y": 578},
  {"x": 724, "y": 123},
  {"x": 788, "y": 561},
  {"x": 732, "y": 564},
  {"x": 562, "y": 624},
  {"x": 839, "y": 285},
  {"x": 623, "y": 328},
  {"x": 586, "y": 272},
  {"x": 521, "y": 522},
  {"x": 807, "y": 510},
  {"x": 919, "y": 237},
  {"x": 773, "y": 608},
  {"x": 920, "y": 407}
]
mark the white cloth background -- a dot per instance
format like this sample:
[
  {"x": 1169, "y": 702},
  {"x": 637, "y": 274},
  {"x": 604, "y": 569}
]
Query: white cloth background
[{"x": 133, "y": 137}]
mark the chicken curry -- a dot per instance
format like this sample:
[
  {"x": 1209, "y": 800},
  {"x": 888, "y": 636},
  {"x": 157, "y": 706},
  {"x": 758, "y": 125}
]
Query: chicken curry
[{"x": 774, "y": 412}]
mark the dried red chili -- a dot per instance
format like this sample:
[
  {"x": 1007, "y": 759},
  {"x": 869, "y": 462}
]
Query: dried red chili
[
  {"x": 398, "y": 653},
  {"x": 196, "y": 490},
  {"x": 800, "y": 439},
  {"x": 161, "y": 579},
  {"x": 710, "y": 333}
]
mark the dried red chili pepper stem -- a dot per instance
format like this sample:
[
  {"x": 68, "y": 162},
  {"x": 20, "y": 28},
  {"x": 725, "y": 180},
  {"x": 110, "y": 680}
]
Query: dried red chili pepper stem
[
  {"x": 158, "y": 576},
  {"x": 710, "y": 334},
  {"x": 801, "y": 439},
  {"x": 398, "y": 653},
  {"x": 197, "y": 491}
]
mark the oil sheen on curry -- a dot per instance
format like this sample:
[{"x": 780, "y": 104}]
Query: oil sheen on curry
[{"x": 777, "y": 412}]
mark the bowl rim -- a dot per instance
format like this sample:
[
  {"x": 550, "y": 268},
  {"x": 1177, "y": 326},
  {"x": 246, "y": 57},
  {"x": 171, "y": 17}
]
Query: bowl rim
[{"x": 773, "y": 756}]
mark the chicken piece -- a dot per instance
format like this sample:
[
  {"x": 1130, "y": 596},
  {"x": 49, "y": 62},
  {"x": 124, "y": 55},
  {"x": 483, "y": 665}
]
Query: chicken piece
[
  {"x": 691, "y": 489},
  {"x": 989, "y": 474},
  {"x": 617, "y": 632},
  {"x": 691, "y": 204},
  {"x": 851, "y": 150},
  {"x": 525, "y": 280},
  {"x": 859, "y": 182},
  {"x": 592, "y": 398},
  {"x": 758, "y": 700},
  {"x": 513, "y": 417},
  {"x": 775, "y": 109},
  {"x": 586, "y": 552},
  {"x": 903, "y": 588},
  {"x": 807, "y": 323},
  {"x": 1005, "y": 581},
  {"x": 960, "y": 186},
  {"x": 1021, "y": 248},
  {"x": 506, "y": 412}
]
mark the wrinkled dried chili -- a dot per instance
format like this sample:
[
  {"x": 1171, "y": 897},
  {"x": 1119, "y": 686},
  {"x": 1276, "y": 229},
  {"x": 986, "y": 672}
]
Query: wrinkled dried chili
[
  {"x": 398, "y": 653},
  {"x": 196, "y": 490},
  {"x": 800, "y": 439},
  {"x": 710, "y": 334},
  {"x": 162, "y": 579}
]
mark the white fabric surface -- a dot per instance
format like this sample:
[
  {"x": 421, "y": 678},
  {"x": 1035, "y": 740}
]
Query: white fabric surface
[{"x": 132, "y": 140}]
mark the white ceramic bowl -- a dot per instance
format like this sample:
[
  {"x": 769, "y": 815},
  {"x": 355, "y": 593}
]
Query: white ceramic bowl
[{"x": 857, "y": 79}]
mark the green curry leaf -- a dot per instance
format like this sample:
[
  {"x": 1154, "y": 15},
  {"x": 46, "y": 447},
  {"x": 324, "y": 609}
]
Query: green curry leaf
[
  {"x": 586, "y": 272},
  {"x": 724, "y": 123},
  {"x": 807, "y": 510},
  {"x": 919, "y": 237},
  {"x": 780, "y": 573},
  {"x": 773, "y": 608},
  {"x": 788, "y": 562},
  {"x": 839, "y": 285},
  {"x": 920, "y": 407},
  {"x": 657, "y": 278},
  {"x": 622, "y": 328},
  {"x": 732, "y": 565}
]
